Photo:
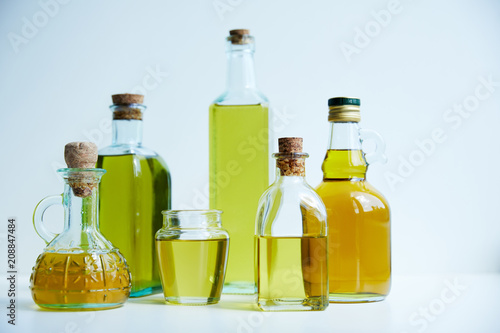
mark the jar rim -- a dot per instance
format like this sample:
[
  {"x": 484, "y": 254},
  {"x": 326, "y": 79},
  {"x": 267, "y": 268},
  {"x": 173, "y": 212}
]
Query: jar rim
[{"x": 191, "y": 212}]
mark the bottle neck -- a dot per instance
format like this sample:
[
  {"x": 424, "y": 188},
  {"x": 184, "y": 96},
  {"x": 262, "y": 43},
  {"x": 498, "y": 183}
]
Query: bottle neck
[
  {"x": 344, "y": 159},
  {"x": 81, "y": 213},
  {"x": 289, "y": 179},
  {"x": 240, "y": 67},
  {"x": 127, "y": 132},
  {"x": 344, "y": 136},
  {"x": 290, "y": 168}
]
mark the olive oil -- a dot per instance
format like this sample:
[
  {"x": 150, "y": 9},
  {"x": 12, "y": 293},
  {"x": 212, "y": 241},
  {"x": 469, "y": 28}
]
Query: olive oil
[
  {"x": 358, "y": 229},
  {"x": 239, "y": 173},
  {"x": 292, "y": 273},
  {"x": 80, "y": 280},
  {"x": 134, "y": 192},
  {"x": 193, "y": 270}
]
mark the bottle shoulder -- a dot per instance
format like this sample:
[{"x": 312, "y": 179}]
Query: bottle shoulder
[
  {"x": 287, "y": 210},
  {"x": 341, "y": 192},
  {"x": 127, "y": 150},
  {"x": 245, "y": 97},
  {"x": 132, "y": 159}
]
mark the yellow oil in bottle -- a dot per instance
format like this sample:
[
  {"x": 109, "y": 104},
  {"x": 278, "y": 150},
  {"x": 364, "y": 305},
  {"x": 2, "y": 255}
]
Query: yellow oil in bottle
[
  {"x": 358, "y": 230},
  {"x": 192, "y": 270},
  {"x": 292, "y": 273},
  {"x": 239, "y": 173},
  {"x": 80, "y": 280},
  {"x": 132, "y": 195}
]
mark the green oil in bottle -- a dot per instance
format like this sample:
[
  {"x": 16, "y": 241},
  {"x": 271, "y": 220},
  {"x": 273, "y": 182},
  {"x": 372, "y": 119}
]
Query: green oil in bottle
[
  {"x": 134, "y": 192},
  {"x": 239, "y": 173}
]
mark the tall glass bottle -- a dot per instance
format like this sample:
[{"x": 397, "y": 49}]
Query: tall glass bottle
[
  {"x": 358, "y": 215},
  {"x": 239, "y": 162},
  {"x": 291, "y": 246},
  {"x": 133, "y": 194}
]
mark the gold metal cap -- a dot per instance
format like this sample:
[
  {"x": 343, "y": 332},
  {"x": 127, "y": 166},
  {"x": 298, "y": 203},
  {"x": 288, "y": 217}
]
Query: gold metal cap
[{"x": 344, "y": 109}]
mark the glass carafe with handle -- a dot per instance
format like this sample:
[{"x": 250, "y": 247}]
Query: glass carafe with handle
[
  {"x": 79, "y": 268},
  {"x": 359, "y": 220}
]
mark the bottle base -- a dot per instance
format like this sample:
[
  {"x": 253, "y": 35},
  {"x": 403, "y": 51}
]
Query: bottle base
[
  {"x": 80, "y": 307},
  {"x": 146, "y": 292},
  {"x": 355, "y": 297},
  {"x": 192, "y": 300},
  {"x": 239, "y": 288},
  {"x": 293, "y": 304}
]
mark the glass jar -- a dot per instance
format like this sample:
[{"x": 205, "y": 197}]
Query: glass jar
[
  {"x": 79, "y": 268},
  {"x": 192, "y": 250}
]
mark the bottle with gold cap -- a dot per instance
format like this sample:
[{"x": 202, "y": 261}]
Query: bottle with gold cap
[
  {"x": 135, "y": 191},
  {"x": 358, "y": 215},
  {"x": 239, "y": 160},
  {"x": 291, "y": 248}
]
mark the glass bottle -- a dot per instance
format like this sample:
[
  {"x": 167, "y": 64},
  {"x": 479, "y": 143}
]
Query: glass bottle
[
  {"x": 79, "y": 268},
  {"x": 192, "y": 251},
  {"x": 133, "y": 194},
  {"x": 291, "y": 251},
  {"x": 358, "y": 215},
  {"x": 239, "y": 160}
]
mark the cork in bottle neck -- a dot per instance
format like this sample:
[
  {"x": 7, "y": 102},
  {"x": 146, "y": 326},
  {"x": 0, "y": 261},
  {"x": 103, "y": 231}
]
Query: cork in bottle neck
[
  {"x": 290, "y": 159},
  {"x": 81, "y": 174},
  {"x": 127, "y": 106},
  {"x": 240, "y": 37}
]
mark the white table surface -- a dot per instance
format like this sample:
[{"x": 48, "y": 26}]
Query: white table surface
[{"x": 460, "y": 303}]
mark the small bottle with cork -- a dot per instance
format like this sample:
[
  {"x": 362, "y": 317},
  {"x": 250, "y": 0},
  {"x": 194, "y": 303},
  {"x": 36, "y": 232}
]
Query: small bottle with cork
[{"x": 291, "y": 257}]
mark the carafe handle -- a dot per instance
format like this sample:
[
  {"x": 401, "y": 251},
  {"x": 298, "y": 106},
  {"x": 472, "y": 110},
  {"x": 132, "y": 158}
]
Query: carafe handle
[
  {"x": 40, "y": 209},
  {"x": 378, "y": 155}
]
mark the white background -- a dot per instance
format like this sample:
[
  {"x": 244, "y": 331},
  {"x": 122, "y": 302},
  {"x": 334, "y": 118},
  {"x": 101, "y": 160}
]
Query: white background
[{"x": 410, "y": 72}]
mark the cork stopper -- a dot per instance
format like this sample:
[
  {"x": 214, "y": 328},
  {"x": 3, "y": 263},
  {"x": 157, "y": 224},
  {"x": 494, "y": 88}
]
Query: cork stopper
[
  {"x": 290, "y": 159},
  {"x": 122, "y": 108},
  {"x": 240, "y": 36},
  {"x": 122, "y": 99},
  {"x": 290, "y": 145},
  {"x": 239, "y": 32},
  {"x": 81, "y": 155}
]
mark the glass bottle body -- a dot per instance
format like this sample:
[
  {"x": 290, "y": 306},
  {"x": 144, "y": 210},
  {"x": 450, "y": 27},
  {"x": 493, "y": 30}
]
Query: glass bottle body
[
  {"x": 239, "y": 167},
  {"x": 192, "y": 251},
  {"x": 79, "y": 268},
  {"x": 358, "y": 221},
  {"x": 133, "y": 194},
  {"x": 291, "y": 257}
]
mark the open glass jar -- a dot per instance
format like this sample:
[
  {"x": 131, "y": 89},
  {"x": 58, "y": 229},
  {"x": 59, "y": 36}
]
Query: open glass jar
[{"x": 192, "y": 252}]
